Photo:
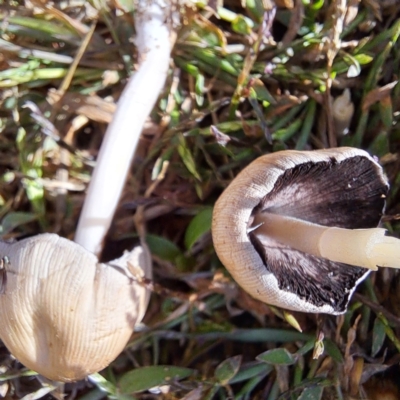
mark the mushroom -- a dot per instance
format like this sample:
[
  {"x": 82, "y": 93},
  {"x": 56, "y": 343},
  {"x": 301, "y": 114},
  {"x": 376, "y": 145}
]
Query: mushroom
[
  {"x": 297, "y": 229},
  {"x": 64, "y": 314}
]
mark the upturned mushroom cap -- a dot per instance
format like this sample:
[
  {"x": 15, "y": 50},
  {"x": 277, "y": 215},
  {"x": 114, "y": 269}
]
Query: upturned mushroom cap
[
  {"x": 64, "y": 314},
  {"x": 342, "y": 187}
]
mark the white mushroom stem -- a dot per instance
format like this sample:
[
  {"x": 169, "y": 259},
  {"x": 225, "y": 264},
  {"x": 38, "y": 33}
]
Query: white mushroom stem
[
  {"x": 367, "y": 248},
  {"x": 121, "y": 139}
]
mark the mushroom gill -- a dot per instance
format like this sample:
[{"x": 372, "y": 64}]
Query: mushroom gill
[{"x": 294, "y": 228}]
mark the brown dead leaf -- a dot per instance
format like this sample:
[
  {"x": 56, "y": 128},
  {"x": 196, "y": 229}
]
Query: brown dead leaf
[
  {"x": 93, "y": 107},
  {"x": 375, "y": 7},
  {"x": 378, "y": 94},
  {"x": 296, "y": 20},
  {"x": 352, "y": 11},
  {"x": 348, "y": 357},
  {"x": 195, "y": 394},
  {"x": 282, "y": 376},
  {"x": 285, "y": 103},
  {"x": 75, "y": 24},
  {"x": 326, "y": 366},
  {"x": 199, "y": 282},
  {"x": 252, "y": 131},
  {"x": 355, "y": 375}
]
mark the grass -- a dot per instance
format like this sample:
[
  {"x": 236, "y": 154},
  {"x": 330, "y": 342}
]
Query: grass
[{"x": 263, "y": 81}]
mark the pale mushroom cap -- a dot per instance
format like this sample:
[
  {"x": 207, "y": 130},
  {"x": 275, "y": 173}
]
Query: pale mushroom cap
[
  {"x": 64, "y": 314},
  {"x": 233, "y": 214}
]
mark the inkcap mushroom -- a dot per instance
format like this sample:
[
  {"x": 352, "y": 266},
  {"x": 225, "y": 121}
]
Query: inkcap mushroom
[
  {"x": 298, "y": 229},
  {"x": 64, "y": 314}
]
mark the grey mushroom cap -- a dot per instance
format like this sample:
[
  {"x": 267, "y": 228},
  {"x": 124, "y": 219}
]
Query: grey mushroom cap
[{"x": 342, "y": 187}]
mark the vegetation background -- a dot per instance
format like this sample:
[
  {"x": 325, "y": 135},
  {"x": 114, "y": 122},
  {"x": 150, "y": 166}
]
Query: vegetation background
[{"x": 247, "y": 78}]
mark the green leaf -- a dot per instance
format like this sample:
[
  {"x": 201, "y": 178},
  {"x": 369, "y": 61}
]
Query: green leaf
[
  {"x": 306, "y": 348},
  {"x": 163, "y": 248},
  {"x": 380, "y": 144},
  {"x": 199, "y": 86},
  {"x": 31, "y": 162},
  {"x": 307, "y": 126},
  {"x": 251, "y": 375},
  {"x": 145, "y": 378},
  {"x": 251, "y": 370},
  {"x": 199, "y": 89},
  {"x": 228, "y": 369},
  {"x": 354, "y": 66},
  {"x": 191, "y": 69},
  {"x": 16, "y": 374},
  {"x": 313, "y": 393},
  {"x": 286, "y": 133},
  {"x": 103, "y": 384},
  {"x": 363, "y": 58},
  {"x": 378, "y": 336},
  {"x": 386, "y": 112},
  {"x": 199, "y": 225},
  {"x": 317, "y": 5},
  {"x": 239, "y": 25},
  {"x": 44, "y": 25},
  {"x": 230, "y": 16},
  {"x": 187, "y": 157},
  {"x": 258, "y": 335},
  {"x": 332, "y": 350},
  {"x": 256, "y": 9},
  {"x": 15, "y": 219},
  {"x": 261, "y": 92},
  {"x": 215, "y": 61},
  {"x": 277, "y": 357}
]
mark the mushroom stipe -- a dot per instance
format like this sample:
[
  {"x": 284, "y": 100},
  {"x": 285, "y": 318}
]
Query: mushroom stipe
[{"x": 298, "y": 229}]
